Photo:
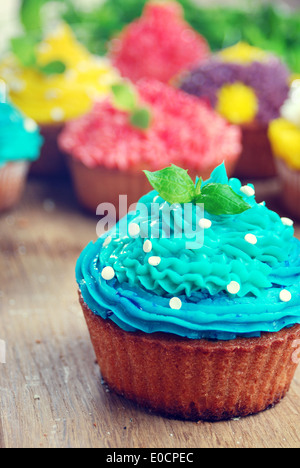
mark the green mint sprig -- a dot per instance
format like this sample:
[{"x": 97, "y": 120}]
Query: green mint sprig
[
  {"x": 174, "y": 185},
  {"x": 24, "y": 48},
  {"x": 127, "y": 100}
]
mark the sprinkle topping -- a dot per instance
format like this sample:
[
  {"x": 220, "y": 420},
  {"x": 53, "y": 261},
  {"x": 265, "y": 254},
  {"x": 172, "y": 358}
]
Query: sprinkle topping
[
  {"x": 287, "y": 221},
  {"x": 251, "y": 238},
  {"x": 233, "y": 287},
  {"x": 154, "y": 261},
  {"x": 247, "y": 190},
  {"x": 175, "y": 303},
  {"x": 57, "y": 114},
  {"x": 285, "y": 295},
  {"x": 108, "y": 273},
  {"x": 147, "y": 246},
  {"x": 134, "y": 229},
  {"x": 205, "y": 223}
]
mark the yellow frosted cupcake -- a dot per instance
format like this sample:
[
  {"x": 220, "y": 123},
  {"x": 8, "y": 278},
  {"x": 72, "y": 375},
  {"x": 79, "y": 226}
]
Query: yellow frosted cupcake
[
  {"x": 61, "y": 85},
  {"x": 284, "y": 134}
]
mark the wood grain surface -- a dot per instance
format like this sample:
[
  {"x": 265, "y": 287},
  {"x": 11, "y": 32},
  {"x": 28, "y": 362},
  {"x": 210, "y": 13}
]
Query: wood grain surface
[{"x": 51, "y": 394}]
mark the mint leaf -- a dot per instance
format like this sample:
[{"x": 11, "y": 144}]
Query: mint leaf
[
  {"x": 198, "y": 186},
  {"x": 125, "y": 97},
  {"x": 173, "y": 184},
  {"x": 53, "y": 68},
  {"x": 30, "y": 14},
  {"x": 221, "y": 199},
  {"x": 24, "y": 48},
  {"x": 141, "y": 118}
]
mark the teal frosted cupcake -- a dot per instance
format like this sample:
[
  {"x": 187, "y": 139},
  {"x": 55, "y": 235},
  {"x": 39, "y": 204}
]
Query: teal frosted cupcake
[
  {"x": 195, "y": 314},
  {"x": 20, "y": 144}
]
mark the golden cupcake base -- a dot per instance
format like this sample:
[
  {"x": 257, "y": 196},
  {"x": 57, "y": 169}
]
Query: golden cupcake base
[
  {"x": 195, "y": 379},
  {"x": 12, "y": 182}
]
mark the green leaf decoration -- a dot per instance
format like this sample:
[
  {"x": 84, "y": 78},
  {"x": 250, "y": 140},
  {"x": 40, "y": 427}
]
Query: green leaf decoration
[
  {"x": 53, "y": 68},
  {"x": 125, "y": 97},
  {"x": 30, "y": 15},
  {"x": 24, "y": 48},
  {"x": 141, "y": 118},
  {"x": 221, "y": 199},
  {"x": 173, "y": 184}
]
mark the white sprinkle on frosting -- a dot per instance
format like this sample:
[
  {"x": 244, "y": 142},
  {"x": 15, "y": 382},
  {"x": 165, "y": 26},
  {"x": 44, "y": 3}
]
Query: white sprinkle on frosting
[
  {"x": 30, "y": 125},
  {"x": 134, "y": 229},
  {"x": 154, "y": 261},
  {"x": 155, "y": 199},
  {"x": 247, "y": 190},
  {"x": 147, "y": 246},
  {"x": 205, "y": 223},
  {"x": 107, "y": 241},
  {"x": 57, "y": 114},
  {"x": 287, "y": 221},
  {"x": 175, "y": 303},
  {"x": 108, "y": 273},
  {"x": 233, "y": 287},
  {"x": 251, "y": 239},
  {"x": 285, "y": 295}
]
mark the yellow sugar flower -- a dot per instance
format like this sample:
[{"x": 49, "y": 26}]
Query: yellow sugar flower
[
  {"x": 59, "y": 97},
  {"x": 237, "y": 103},
  {"x": 243, "y": 53},
  {"x": 285, "y": 140}
]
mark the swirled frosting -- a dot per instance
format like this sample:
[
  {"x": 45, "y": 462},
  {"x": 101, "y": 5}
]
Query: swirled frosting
[
  {"x": 58, "y": 97},
  {"x": 20, "y": 139},
  {"x": 243, "y": 279}
]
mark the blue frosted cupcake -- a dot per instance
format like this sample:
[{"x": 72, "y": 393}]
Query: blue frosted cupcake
[
  {"x": 20, "y": 144},
  {"x": 195, "y": 316}
]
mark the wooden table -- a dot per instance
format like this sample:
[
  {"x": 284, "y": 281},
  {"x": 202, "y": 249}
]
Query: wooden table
[{"x": 50, "y": 387}]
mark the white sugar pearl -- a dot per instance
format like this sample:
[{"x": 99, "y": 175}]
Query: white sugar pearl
[
  {"x": 247, "y": 190},
  {"x": 107, "y": 241},
  {"x": 154, "y": 261},
  {"x": 108, "y": 273},
  {"x": 285, "y": 296},
  {"x": 175, "y": 303},
  {"x": 30, "y": 125},
  {"x": 233, "y": 287},
  {"x": 147, "y": 246},
  {"x": 57, "y": 114},
  {"x": 205, "y": 223},
  {"x": 287, "y": 221},
  {"x": 134, "y": 229},
  {"x": 251, "y": 238}
]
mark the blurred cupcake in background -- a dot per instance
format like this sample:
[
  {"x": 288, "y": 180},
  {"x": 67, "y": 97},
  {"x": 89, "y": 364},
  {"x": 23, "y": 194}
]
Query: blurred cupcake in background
[
  {"x": 284, "y": 134},
  {"x": 146, "y": 127},
  {"x": 247, "y": 86},
  {"x": 53, "y": 82},
  {"x": 20, "y": 144},
  {"x": 158, "y": 45}
]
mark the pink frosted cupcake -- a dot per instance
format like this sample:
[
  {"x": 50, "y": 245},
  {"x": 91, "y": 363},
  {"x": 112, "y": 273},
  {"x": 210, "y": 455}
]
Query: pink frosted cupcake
[
  {"x": 109, "y": 147},
  {"x": 158, "y": 45}
]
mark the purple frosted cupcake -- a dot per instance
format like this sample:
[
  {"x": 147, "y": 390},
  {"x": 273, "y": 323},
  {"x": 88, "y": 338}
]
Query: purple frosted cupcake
[{"x": 247, "y": 86}]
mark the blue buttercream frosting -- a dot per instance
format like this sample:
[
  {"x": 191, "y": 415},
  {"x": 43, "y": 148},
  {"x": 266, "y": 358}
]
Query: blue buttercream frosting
[
  {"x": 138, "y": 296},
  {"x": 20, "y": 139}
]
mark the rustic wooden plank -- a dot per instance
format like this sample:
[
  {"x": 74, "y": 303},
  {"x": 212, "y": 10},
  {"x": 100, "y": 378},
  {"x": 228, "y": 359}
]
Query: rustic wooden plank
[{"x": 51, "y": 393}]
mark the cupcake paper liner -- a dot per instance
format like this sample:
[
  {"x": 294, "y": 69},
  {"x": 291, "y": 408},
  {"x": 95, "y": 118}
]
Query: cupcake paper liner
[
  {"x": 102, "y": 185},
  {"x": 194, "y": 379},
  {"x": 12, "y": 182},
  {"x": 51, "y": 162},
  {"x": 290, "y": 180},
  {"x": 256, "y": 160}
]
